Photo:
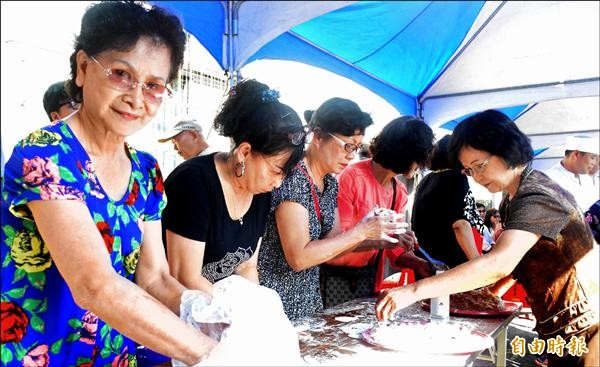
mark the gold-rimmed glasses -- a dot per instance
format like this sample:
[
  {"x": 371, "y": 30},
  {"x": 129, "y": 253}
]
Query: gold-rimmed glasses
[
  {"x": 478, "y": 168},
  {"x": 122, "y": 81},
  {"x": 348, "y": 147}
]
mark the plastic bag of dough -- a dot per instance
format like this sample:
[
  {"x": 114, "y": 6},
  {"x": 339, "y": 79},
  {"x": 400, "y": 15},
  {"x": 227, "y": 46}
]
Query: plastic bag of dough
[{"x": 259, "y": 332}]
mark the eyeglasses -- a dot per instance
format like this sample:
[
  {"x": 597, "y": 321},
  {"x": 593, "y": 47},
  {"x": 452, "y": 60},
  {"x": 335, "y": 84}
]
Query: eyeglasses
[
  {"x": 348, "y": 147},
  {"x": 72, "y": 104},
  {"x": 122, "y": 81},
  {"x": 478, "y": 168}
]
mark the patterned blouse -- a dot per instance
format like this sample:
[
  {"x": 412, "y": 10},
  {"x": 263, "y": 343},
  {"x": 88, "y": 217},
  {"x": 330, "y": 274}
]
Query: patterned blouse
[
  {"x": 299, "y": 291},
  {"x": 41, "y": 324}
]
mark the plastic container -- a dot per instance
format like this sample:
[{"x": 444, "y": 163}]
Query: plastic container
[{"x": 440, "y": 306}]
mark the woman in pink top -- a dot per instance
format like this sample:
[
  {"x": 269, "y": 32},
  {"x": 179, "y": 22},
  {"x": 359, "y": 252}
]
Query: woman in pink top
[{"x": 401, "y": 148}]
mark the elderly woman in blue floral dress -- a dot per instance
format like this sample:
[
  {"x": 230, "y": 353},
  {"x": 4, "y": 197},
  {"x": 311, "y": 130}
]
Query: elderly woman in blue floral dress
[{"x": 83, "y": 268}]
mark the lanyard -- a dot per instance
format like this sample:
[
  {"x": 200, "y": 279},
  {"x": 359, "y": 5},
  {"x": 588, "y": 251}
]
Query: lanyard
[
  {"x": 394, "y": 193},
  {"x": 313, "y": 191}
]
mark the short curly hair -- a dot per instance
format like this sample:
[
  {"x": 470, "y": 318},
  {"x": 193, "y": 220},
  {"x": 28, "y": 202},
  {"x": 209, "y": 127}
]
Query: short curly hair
[
  {"x": 118, "y": 25},
  {"x": 402, "y": 142},
  {"x": 493, "y": 132}
]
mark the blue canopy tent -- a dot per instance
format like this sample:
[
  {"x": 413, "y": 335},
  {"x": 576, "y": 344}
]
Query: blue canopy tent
[{"x": 440, "y": 60}]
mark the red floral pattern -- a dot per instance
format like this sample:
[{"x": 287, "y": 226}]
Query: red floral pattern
[
  {"x": 14, "y": 322},
  {"x": 133, "y": 195},
  {"x": 158, "y": 181},
  {"x": 41, "y": 325},
  {"x": 105, "y": 231}
]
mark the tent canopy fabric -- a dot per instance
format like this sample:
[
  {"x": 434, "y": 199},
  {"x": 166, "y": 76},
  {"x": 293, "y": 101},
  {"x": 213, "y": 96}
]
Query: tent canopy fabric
[
  {"x": 549, "y": 123},
  {"x": 436, "y": 59}
]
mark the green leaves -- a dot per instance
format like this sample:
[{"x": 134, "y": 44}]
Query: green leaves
[
  {"x": 31, "y": 304},
  {"x": 8, "y": 231},
  {"x": 105, "y": 353},
  {"x": 65, "y": 130},
  {"x": 6, "y": 354},
  {"x": 19, "y": 274},
  {"x": 55, "y": 348},
  {"x": 37, "y": 323},
  {"x": 20, "y": 351},
  {"x": 6, "y": 261},
  {"x": 29, "y": 225},
  {"x": 110, "y": 208},
  {"x": 66, "y": 175},
  {"x": 44, "y": 306},
  {"x": 117, "y": 342},
  {"x": 75, "y": 323},
  {"x": 104, "y": 331},
  {"x": 73, "y": 337},
  {"x": 17, "y": 292},
  {"x": 37, "y": 280}
]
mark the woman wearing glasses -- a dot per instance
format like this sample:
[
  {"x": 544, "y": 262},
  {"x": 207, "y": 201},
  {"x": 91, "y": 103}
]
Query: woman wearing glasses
[
  {"x": 84, "y": 270},
  {"x": 303, "y": 230},
  {"x": 218, "y": 204},
  {"x": 545, "y": 236}
]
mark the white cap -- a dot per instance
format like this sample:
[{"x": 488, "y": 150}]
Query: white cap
[
  {"x": 583, "y": 143},
  {"x": 187, "y": 123}
]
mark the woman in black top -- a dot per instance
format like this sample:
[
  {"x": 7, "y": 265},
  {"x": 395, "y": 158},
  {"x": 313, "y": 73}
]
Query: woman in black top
[
  {"x": 544, "y": 238},
  {"x": 444, "y": 210},
  {"x": 217, "y": 205}
]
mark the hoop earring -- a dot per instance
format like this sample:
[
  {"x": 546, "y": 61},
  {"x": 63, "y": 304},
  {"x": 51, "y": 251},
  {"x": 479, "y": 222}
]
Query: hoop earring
[{"x": 241, "y": 164}]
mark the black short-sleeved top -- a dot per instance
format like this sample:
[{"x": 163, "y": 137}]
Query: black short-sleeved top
[
  {"x": 547, "y": 271},
  {"x": 440, "y": 200},
  {"x": 299, "y": 291},
  {"x": 196, "y": 210}
]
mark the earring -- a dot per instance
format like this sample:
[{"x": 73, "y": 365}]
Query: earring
[{"x": 241, "y": 164}]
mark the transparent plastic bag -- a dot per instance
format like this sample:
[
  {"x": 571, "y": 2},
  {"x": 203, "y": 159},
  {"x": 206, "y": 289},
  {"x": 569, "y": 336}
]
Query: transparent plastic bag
[{"x": 249, "y": 322}]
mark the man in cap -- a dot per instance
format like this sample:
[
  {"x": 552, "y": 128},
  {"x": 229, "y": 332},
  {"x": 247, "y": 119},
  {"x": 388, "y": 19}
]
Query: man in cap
[
  {"x": 57, "y": 102},
  {"x": 573, "y": 171},
  {"x": 187, "y": 137}
]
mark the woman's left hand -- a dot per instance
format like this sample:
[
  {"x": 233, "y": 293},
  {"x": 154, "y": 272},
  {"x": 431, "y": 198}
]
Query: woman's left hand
[{"x": 392, "y": 300}]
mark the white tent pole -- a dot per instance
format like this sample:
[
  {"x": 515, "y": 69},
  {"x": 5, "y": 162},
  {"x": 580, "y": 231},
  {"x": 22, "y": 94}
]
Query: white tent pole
[
  {"x": 231, "y": 31},
  {"x": 442, "y": 108}
]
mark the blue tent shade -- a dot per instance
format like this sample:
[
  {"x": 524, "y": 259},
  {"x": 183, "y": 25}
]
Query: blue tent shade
[
  {"x": 207, "y": 29},
  {"x": 538, "y": 151},
  {"x": 436, "y": 59},
  {"x": 383, "y": 38},
  {"x": 512, "y": 112}
]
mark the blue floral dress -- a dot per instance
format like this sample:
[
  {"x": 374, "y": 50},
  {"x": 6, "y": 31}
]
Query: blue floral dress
[{"x": 41, "y": 324}]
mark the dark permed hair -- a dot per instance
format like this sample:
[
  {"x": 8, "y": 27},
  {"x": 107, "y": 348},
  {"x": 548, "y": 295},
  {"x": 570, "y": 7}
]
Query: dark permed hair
[
  {"x": 493, "y": 132},
  {"x": 402, "y": 142},
  {"x": 338, "y": 115},
  {"x": 119, "y": 25},
  {"x": 252, "y": 113}
]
